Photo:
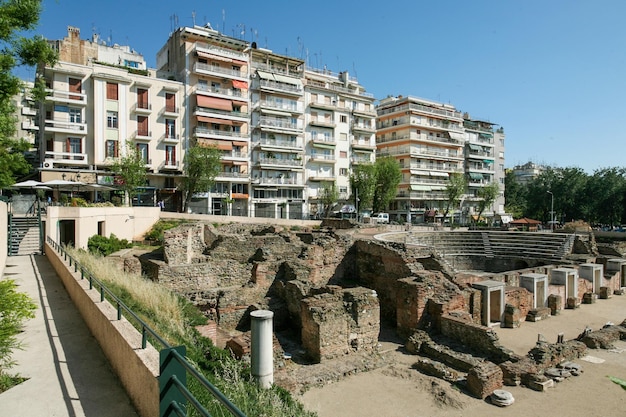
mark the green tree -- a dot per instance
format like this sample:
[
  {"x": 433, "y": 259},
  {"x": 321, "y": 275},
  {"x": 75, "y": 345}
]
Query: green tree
[
  {"x": 15, "y": 307},
  {"x": 487, "y": 196},
  {"x": 607, "y": 194},
  {"x": 131, "y": 170},
  {"x": 17, "y": 16},
  {"x": 328, "y": 197},
  {"x": 202, "y": 164},
  {"x": 455, "y": 188},
  {"x": 388, "y": 176},
  {"x": 363, "y": 185},
  {"x": 514, "y": 195}
]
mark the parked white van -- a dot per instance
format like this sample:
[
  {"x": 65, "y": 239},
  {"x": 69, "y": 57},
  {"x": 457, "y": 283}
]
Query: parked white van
[{"x": 381, "y": 217}]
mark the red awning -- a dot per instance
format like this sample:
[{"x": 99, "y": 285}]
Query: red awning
[
  {"x": 236, "y": 143},
  {"x": 214, "y": 103},
  {"x": 240, "y": 84},
  {"x": 219, "y": 144}
]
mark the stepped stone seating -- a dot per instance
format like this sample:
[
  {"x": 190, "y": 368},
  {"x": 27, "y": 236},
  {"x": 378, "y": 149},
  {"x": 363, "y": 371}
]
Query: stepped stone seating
[{"x": 496, "y": 244}]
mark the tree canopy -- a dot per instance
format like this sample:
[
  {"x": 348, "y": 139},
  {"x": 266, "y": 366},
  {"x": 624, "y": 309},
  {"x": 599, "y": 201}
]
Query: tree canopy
[
  {"x": 363, "y": 186},
  {"x": 487, "y": 195},
  {"x": 388, "y": 176},
  {"x": 455, "y": 188},
  {"x": 16, "y": 50},
  {"x": 131, "y": 170},
  {"x": 202, "y": 164}
]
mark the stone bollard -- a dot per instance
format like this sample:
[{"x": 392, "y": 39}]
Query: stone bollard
[{"x": 261, "y": 349}]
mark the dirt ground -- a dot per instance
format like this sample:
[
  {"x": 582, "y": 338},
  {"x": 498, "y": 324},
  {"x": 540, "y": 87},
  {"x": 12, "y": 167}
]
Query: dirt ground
[{"x": 396, "y": 390}]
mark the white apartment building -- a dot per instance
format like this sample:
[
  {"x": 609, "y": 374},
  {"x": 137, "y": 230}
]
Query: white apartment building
[
  {"x": 214, "y": 70},
  {"x": 26, "y": 115},
  {"x": 95, "y": 110}
]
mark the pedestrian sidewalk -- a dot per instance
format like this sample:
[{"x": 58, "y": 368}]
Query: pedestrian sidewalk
[{"x": 68, "y": 374}]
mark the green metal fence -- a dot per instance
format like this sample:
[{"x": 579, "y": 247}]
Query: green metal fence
[{"x": 174, "y": 367}]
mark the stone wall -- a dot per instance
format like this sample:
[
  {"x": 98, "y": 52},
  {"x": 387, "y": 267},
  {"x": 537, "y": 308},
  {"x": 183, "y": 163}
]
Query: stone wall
[
  {"x": 476, "y": 337},
  {"x": 339, "y": 322}
]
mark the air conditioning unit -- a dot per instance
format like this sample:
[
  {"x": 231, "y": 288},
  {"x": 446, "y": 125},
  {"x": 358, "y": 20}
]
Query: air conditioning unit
[{"x": 48, "y": 163}]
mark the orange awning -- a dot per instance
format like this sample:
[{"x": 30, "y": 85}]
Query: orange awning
[
  {"x": 215, "y": 57},
  {"x": 214, "y": 103},
  {"x": 214, "y": 120},
  {"x": 219, "y": 144},
  {"x": 236, "y": 143},
  {"x": 240, "y": 84}
]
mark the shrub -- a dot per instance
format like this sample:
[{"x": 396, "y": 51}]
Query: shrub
[
  {"x": 156, "y": 233},
  {"x": 106, "y": 245},
  {"x": 15, "y": 307},
  {"x": 79, "y": 202}
]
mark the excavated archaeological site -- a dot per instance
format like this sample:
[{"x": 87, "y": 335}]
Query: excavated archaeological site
[{"x": 335, "y": 295}]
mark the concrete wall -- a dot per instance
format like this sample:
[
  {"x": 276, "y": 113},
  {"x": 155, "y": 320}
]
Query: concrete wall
[
  {"x": 136, "y": 368},
  {"x": 4, "y": 222},
  {"x": 237, "y": 219},
  {"x": 129, "y": 223}
]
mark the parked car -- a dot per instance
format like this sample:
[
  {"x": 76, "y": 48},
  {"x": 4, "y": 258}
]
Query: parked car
[{"x": 382, "y": 218}]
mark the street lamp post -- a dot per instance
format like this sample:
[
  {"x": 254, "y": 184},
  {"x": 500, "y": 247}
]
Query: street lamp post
[{"x": 551, "y": 211}]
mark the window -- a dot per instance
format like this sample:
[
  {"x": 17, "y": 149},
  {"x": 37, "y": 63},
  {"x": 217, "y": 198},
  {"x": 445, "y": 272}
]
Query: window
[
  {"x": 343, "y": 136},
  {"x": 343, "y": 154},
  {"x": 112, "y": 119},
  {"x": 111, "y": 91},
  {"x": 75, "y": 86},
  {"x": 170, "y": 128},
  {"x": 343, "y": 190},
  {"x": 111, "y": 150},
  {"x": 170, "y": 155},
  {"x": 343, "y": 171},
  {"x": 142, "y": 148},
  {"x": 142, "y": 126},
  {"x": 170, "y": 102},
  {"x": 75, "y": 115},
  {"x": 73, "y": 145},
  {"x": 343, "y": 118},
  {"x": 142, "y": 98}
]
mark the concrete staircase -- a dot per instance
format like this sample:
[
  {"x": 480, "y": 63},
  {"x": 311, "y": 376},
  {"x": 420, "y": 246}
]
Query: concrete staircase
[{"x": 24, "y": 235}]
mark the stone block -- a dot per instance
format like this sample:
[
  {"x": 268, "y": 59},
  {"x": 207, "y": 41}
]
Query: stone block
[
  {"x": 540, "y": 383},
  {"x": 512, "y": 317},
  {"x": 484, "y": 379},
  {"x": 537, "y": 314},
  {"x": 572, "y": 303},
  {"x": 589, "y": 298},
  {"x": 605, "y": 293},
  {"x": 554, "y": 303}
]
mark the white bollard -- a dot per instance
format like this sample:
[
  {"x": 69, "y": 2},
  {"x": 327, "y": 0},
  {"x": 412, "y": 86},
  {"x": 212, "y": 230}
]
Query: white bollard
[{"x": 261, "y": 349}]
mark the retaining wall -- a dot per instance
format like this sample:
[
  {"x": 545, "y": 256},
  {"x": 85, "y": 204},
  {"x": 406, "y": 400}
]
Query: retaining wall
[{"x": 136, "y": 368}]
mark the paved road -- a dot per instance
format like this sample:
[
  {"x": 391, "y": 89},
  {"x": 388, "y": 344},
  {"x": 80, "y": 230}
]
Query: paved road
[{"x": 69, "y": 376}]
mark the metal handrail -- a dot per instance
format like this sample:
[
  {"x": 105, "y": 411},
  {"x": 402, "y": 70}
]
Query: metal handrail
[{"x": 145, "y": 330}]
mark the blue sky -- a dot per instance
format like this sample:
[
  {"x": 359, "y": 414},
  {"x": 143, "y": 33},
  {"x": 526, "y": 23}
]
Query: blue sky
[{"x": 551, "y": 73}]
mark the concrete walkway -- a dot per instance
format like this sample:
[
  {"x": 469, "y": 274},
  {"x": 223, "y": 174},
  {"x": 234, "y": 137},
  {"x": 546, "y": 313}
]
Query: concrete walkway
[{"x": 68, "y": 372}]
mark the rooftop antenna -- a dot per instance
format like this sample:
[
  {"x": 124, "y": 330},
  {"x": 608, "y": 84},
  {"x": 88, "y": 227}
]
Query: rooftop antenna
[
  {"x": 354, "y": 69},
  {"x": 300, "y": 46},
  {"x": 266, "y": 42},
  {"x": 193, "y": 17},
  {"x": 223, "y": 20}
]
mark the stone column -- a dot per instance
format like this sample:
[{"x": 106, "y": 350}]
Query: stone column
[{"x": 262, "y": 359}]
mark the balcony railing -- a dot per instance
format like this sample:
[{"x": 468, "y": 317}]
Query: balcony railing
[
  {"x": 324, "y": 139},
  {"x": 279, "y": 161},
  {"x": 205, "y": 47},
  {"x": 170, "y": 137},
  {"x": 235, "y": 154},
  {"x": 67, "y": 157},
  {"x": 208, "y": 110},
  {"x": 224, "y": 174},
  {"x": 66, "y": 96},
  {"x": 289, "y": 88},
  {"x": 66, "y": 126},
  {"x": 280, "y": 143},
  {"x": 323, "y": 157},
  {"x": 362, "y": 144},
  {"x": 201, "y": 67},
  {"x": 141, "y": 108},
  {"x": 276, "y": 181},
  {"x": 171, "y": 110},
  {"x": 422, "y": 109},
  {"x": 175, "y": 165},
  {"x": 205, "y": 131},
  {"x": 279, "y": 123},
  {"x": 436, "y": 167},
  {"x": 221, "y": 91},
  {"x": 293, "y": 107},
  {"x": 142, "y": 135}
]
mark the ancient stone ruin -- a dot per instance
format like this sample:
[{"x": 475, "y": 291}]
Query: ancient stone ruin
[{"x": 331, "y": 293}]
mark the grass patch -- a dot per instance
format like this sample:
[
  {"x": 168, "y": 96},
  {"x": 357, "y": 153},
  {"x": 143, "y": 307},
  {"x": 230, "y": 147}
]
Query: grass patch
[
  {"x": 156, "y": 232},
  {"x": 173, "y": 318},
  {"x": 9, "y": 381}
]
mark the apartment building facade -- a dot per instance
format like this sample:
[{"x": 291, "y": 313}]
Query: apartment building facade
[
  {"x": 431, "y": 142},
  {"x": 101, "y": 104}
]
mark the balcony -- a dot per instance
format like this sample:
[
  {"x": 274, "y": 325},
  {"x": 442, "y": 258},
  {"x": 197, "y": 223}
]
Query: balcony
[
  {"x": 27, "y": 111},
  {"x": 221, "y": 52},
  {"x": 170, "y": 111},
  {"x": 66, "y": 126},
  {"x": 170, "y": 138},
  {"x": 281, "y": 144},
  {"x": 364, "y": 112},
  {"x": 363, "y": 127},
  {"x": 280, "y": 162},
  {"x": 323, "y": 122},
  {"x": 221, "y": 72},
  {"x": 229, "y": 115},
  {"x": 326, "y": 105},
  {"x": 357, "y": 161},
  {"x": 200, "y": 131},
  {"x": 170, "y": 165},
  {"x": 67, "y": 158},
  {"x": 29, "y": 125},
  {"x": 437, "y": 167},
  {"x": 289, "y": 107},
  {"x": 226, "y": 93},
  {"x": 325, "y": 158},
  {"x": 60, "y": 96},
  {"x": 363, "y": 144},
  {"x": 281, "y": 180},
  {"x": 281, "y": 87},
  {"x": 141, "y": 108},
  {"x": 419, "y": 108},
  {"x": 277, "y": 124},
  {"x": 324, "y": 140},
  {"x": 321, "y": 177},
  {"x": 228, "y": 175},
  {"x": 142, "y": 135}
]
